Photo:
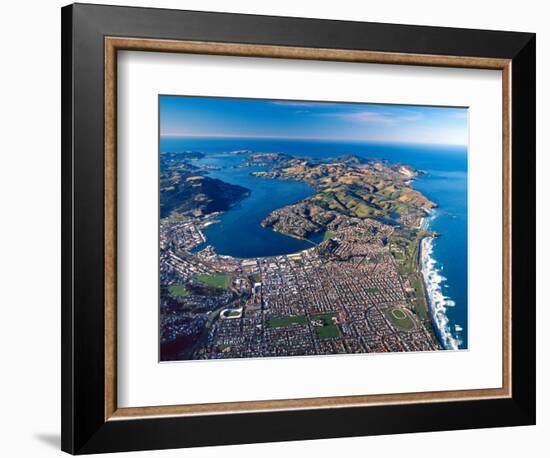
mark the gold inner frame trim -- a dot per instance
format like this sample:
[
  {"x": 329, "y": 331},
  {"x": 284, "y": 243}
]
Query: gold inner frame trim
[{"x": 114, "y": 44}]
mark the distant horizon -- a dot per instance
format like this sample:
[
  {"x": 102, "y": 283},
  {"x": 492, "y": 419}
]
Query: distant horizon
[
  {"x": 219, "y": 117},
  {"x": 349, "y": 140}
]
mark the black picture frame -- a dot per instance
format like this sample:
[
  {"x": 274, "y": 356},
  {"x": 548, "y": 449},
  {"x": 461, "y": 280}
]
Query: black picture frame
[{"x": 84, "y": 428}]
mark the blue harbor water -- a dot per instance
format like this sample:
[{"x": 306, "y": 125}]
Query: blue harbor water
[
  {"x": 444, "y": 264},
  {"x": 238, "y": 232}
]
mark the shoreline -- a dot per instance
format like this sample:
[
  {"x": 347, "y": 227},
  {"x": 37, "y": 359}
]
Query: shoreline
[
  {"x": 420, "y": 265},
  {"x": 436, "y": 300}
]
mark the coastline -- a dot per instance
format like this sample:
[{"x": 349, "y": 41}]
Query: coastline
[
  {"x": 433, "y": 323},
  {"x": 437, "y": 301}
]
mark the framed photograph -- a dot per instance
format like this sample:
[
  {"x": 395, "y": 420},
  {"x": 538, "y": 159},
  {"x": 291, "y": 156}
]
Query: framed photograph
[{"x": 281, "y": 229}]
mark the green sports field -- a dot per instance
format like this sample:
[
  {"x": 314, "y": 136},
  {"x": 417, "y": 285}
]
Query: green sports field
[
  {"x": 327, "y": 331},
  {"x": 215, "y": 280},
  {"x": 285, "y": 321},
  {"x": 178, "y": 290},
  {"x": 401, "y": 319}
]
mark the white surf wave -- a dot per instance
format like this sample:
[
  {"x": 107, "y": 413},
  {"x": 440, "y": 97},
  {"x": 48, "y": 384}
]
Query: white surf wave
[{"x": 433, "y": 281}]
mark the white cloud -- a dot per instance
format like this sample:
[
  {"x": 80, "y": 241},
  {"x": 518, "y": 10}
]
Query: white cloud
[{"x": 372, "y": 117}]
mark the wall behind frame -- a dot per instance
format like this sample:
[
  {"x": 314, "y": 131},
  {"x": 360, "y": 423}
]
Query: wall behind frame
[{"x": 30, "y": 233}]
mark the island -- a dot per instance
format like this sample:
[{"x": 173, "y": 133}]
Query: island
[{"x": 356, "y": 288}]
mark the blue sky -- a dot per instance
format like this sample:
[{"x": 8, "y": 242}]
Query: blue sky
[{"x": 228, "y": 117}]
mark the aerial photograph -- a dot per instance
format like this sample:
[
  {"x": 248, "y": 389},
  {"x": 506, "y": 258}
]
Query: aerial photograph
[{"x": 311, "y": 228}]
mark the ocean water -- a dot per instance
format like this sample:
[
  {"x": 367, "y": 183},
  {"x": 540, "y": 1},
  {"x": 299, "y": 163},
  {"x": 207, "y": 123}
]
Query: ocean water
[{"x": 445, "y": 182}]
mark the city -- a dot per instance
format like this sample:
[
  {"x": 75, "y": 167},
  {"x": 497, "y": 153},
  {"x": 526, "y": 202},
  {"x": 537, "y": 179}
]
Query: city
[{"x": 351, "y": 293}]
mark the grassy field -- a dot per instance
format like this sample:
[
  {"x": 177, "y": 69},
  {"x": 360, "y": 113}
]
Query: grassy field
[
  {"x": 327, "y": 331},
  {"x": 401, "y": 319},
  {"x": 329, "y": 235},
  {"x": 421, "y": 306},
  {"x": 216, "y": 280},
  {"x": 398, "y": 255},
  {"x": 174, "y": 218},
  {"x": 286, "y": 321},
  {"x": 407, "y": 266},
  {"x": 178, "y": 290}
]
